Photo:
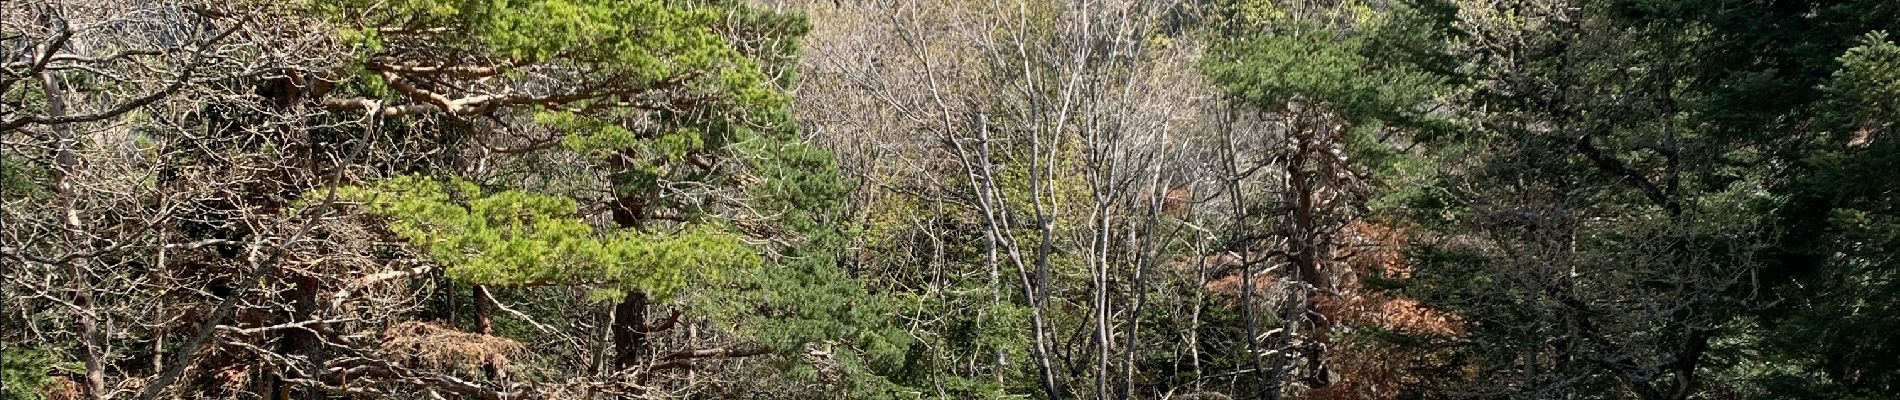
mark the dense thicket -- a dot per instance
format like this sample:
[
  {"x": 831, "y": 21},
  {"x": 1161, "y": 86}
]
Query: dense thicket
[{"x": 1051, "y": 199}]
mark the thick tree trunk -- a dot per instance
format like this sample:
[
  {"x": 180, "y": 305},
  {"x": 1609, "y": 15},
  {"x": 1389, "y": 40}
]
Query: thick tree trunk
[
  {"x": 485, "y": 324},
  {"x": 630, "y": 337},
  {"x": 1304, "y": 184},
  {"x": 303, "y": 300},
  {"x": 630, "y": 315},
  {"x": 484, "y": 310}
]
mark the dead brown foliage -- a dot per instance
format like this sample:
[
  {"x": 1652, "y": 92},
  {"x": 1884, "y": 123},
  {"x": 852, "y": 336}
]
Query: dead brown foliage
[
  {"x": 434, "y": 346},
  {"x": 1366, "y": 367}
]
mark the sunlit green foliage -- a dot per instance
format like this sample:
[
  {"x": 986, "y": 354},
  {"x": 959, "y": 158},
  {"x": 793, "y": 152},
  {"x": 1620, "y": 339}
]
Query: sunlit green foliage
[
  {"x": 636, "y": 43},
  {"x": 1315, "y": 66},
  {"x": 1387, "y": 75},
  {"x": 515, "y": 238},
  {"x": 1868, "y": 84}
]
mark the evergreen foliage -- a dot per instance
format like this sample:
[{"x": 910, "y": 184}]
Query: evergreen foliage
[
  {"x": 27, "y": 374},
  {"x": 515, "y": 238},
  {"x": 1226, "y": 199}
]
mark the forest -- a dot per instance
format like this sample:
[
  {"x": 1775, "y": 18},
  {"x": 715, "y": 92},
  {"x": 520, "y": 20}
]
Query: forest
[{"x": 949, "y": 199}]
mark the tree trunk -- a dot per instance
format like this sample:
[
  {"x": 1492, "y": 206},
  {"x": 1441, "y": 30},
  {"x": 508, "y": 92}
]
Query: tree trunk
[
  {"x": 630, "y": 340},
  {"x": 1304, "y": 185},
  {"x": 630, "y": 315},
  {"x": 90, "y": 340},
  {"x": 302, "y": 342},
  {"x": 485, "y": 324}
]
